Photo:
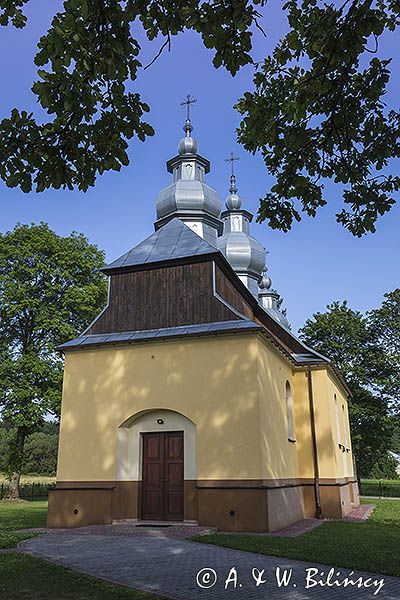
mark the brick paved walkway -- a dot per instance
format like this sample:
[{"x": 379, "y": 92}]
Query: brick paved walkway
[
  {"x": 298, "y": 528},
  {"x": 177, "y": 532},
  {"x": 360, "y": 514},
  {"x": 169, "y": 567}
]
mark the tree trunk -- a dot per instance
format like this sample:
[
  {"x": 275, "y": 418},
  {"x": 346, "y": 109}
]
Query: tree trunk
[{"x": 12, "y": 492}]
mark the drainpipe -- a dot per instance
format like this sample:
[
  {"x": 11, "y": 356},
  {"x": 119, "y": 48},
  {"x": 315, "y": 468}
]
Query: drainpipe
[{"x": 314, "y": 443}]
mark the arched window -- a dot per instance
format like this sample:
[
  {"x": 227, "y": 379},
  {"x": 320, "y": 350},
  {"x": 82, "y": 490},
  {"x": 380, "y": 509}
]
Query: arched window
[{"x": 289, "y": 408}]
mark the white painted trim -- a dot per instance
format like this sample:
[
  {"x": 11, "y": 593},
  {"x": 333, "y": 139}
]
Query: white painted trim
[{"x": 129, "y": 442}]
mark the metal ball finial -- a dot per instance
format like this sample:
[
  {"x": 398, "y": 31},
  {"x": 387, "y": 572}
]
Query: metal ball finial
[
  {"x": 188, "y": 145},
  {"x": 266, "y": 282}
]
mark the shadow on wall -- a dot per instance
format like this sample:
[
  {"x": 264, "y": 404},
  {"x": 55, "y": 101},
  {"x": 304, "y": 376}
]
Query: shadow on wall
[{"x": 214, "y": 383}]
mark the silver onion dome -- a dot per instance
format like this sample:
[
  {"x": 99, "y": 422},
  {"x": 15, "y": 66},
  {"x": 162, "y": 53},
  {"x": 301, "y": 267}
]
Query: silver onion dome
[
  {"x": 189, "y": 197},
  {"x": 188, "y": 145},
  {"x": 244, "y": 253},
  {"x": 271, "y": 301},
  {"x": 265, "y": 282},
  {"x": 233, "y": 202}
]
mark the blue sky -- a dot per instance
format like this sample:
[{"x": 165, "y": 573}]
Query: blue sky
[{"x": 312, "y": 265}]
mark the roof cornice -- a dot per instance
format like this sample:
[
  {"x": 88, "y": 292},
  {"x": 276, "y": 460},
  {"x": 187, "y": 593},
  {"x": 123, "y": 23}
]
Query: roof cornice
[{"x": 161, "y": 264}]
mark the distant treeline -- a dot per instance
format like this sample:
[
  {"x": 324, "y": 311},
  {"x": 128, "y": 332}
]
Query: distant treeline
[{"x": 40, "y": 453}]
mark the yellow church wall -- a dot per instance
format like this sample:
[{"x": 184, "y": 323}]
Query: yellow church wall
[
  {"x": 231, "y": 387},
  {"x": 279, "y": 455},
  {"x": 282, "y": 458},
  {"x": 341, "y": 429},
  {"x": 304, "y": 446},
  {"x": 349, "y": 455},
  {"x": 228, "y": 394},
  {"x": 210, "y": 381},
  {"x": 333, "y": 464},
  {"x": 323, "y": 425}
]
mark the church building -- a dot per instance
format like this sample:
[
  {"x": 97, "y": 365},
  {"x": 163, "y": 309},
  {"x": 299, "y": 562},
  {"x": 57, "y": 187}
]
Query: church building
[{"x": 189, "y": 399}]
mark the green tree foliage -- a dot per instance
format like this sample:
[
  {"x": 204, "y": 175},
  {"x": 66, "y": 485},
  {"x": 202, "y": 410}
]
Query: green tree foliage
[
  {"x": 50, "y": 428},
  {"x": 40, "y": 455},
  {"x": 50, "y": 289},
  {"x": 385, "y": 325},
  {"x": 316, "y": 111},
  {"x": 85, "y": 61},
  {"x": 348, "y": 338},
  {"x": 40, "y": 451},
  {"x": 395, "y": 444},
  {"x": 384, "y": 468}
]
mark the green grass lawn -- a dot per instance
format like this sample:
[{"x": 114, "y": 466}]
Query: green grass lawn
[
  {"x": 20, "y": 515},
  {"x": 371, "y": 546},
  {"x": 26, "y": 578}
]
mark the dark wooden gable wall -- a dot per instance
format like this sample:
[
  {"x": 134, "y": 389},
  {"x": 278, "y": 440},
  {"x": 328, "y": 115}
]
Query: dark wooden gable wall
[
  {"x": 169, "y": 296},
  {"x": 226, "y": 289}
]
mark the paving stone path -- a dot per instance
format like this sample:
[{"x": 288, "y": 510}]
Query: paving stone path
[
  {"x": 9, "y": 550},
  {"x": 169, "y": 567},
  {"x": 360, "y": 514}
]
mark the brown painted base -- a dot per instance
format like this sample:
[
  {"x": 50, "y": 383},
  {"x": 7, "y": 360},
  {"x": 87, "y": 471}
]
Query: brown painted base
[
  {"x": 243, "y": 509},
  {"x": 242, "y": 505},
  {"x": 79, "y": 507},
  {"x": 338, "y": 498}
]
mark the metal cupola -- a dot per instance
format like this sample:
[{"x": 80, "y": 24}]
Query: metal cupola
[
  {"x": 244, "y": 253},
  {"x": 188, "y": 197}
]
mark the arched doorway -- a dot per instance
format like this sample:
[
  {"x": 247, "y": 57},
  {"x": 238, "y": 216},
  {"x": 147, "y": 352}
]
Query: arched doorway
[{"x": 157, "y": 448}]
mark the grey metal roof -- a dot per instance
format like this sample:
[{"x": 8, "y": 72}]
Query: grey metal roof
[
  {"x": 307, "y": 358},
  {"x": 172, "y": 241},
  {"x": 165, "y": 332}
]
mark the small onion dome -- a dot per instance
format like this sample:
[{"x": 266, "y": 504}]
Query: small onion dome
[
  {"x": 188, "y": 196},
  {"x": 233, "y": 202},
  {"x": 188, "y": 145},
  {"x": 265, "y": 282},
  {"x": 244, "y": 253}
]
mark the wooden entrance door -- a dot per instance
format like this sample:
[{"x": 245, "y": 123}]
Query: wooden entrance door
[{"x": 162, "y": 476}]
